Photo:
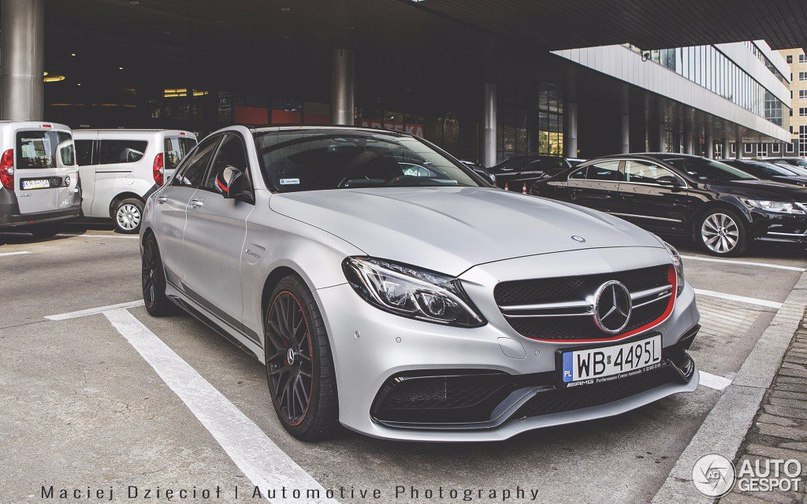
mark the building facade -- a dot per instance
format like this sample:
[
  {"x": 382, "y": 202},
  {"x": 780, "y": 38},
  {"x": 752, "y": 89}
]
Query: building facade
[{"x": 484, "y": 95}]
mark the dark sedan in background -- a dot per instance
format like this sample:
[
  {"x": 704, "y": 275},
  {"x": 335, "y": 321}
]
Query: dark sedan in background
[
  {"x": 768, "y": 171},
  {"x": 521, "y": 171},
  {"x": 797, "y": 164},
  {"x": 721, "y": 207}
]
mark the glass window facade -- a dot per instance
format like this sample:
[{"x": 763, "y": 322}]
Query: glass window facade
[{"x": 710, "y": 68}]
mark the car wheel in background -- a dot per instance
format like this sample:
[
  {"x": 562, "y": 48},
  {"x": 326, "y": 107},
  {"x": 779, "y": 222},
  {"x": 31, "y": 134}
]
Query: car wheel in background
[
  {"x": 722, "y": 233},
  {"x": 299, "y": 367},
  {"x": 128, "y": 215},
  {"x": 153, "y": 280}
]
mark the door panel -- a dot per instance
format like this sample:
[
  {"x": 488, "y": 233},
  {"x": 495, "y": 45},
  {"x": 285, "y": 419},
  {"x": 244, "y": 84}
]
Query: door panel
[
  {"x": 214, "y": 241},
  {"x": 172, "y": 203},
  {"x": 42, "y": 161},
  {"x": 599, "y": 189},
  {"x": 651, "y": 204}
]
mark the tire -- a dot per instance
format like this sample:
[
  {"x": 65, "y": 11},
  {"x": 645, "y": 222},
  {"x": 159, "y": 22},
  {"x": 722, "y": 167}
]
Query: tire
[
  {"x": 41, "y": 231},
  {"x": 722, "y": 232},
  {"x": 299, "y": 363},
  {"x": 128, "y": 216},
  {"x": 153, "y": 281}
]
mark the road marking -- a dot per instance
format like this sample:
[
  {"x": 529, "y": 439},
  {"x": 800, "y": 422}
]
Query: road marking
[
  {"x": 744, "y": 263},
  {"x": 740, "y": 299},
  {"x": 5, "y": 254},
  {"x": 98, "y": 236},
  {"x": 714, "y": 381},
  {"x": 260, "y": 459},
  {"x": 94, "y": 311}
]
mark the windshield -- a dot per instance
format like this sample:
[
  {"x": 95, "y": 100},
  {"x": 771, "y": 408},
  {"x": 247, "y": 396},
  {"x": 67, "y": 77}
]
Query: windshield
[
  {"x": 707, "y": 170},
  {"x": 310, "y": 160}
]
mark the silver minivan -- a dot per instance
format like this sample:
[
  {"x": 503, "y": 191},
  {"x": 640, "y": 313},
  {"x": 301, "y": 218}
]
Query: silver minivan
[
  {"x": 39, "y": 184},
  {"x": 120, "y": 168}
]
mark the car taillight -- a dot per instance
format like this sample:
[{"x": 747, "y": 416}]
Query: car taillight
[
  {"x": 158, "y": 170},
  {"x": 7, "y": 169}
]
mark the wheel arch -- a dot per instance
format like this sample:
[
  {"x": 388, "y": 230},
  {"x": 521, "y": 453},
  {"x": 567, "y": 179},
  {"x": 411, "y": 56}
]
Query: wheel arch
[
  {"x": 735, "y": 207},
  {"x": 120, "y": 197}
]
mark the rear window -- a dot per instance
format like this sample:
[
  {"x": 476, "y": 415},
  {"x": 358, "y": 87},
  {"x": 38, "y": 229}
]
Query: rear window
[
  {"x": 44, "y": 149},
  {"x": 121, "y": 151},
  {"x": 175, "y": 149}
]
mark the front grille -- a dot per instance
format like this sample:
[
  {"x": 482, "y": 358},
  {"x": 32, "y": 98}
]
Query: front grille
[
  {"x": 573, "y": 288},
  {"x": 561, "y": 308},
  {"x": 586, "y": 396}
]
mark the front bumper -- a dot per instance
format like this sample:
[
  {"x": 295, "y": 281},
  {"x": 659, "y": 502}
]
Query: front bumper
[
  {"x": 370, "y": 347},
  {"x": 780, "y": 228}
]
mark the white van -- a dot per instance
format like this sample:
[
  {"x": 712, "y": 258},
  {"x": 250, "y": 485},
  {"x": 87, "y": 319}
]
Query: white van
[
  {"x": 120, "y": 168},
  {"x": 38, "y": 177}
]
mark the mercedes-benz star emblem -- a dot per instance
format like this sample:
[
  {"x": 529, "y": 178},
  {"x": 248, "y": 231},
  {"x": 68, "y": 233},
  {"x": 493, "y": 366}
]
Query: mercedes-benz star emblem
[{"x": 612, "y": 307}]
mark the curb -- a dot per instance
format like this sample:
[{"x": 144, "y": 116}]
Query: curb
[{"x": 725, "y": 427}]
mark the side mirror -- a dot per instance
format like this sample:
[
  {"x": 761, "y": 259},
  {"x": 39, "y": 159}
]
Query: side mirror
[
  {"x": 669, "y": 181},
  {"x": 233, "y": 184}
]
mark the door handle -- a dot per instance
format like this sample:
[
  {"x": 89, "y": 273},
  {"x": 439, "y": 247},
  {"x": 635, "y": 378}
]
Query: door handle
[
  {"x": 161, "y": 200},
  {"x": 195, "y": 203}
]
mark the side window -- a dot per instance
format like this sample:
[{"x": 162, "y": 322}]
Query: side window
[
  {"x": 67, "y": 149},
  {"x": 175, "y": 149},
  {"x": 121, "y": 151},
  {"x": 607, "y": 170},
  {"x": 84, "y": 152},
  {"x": 578, "y": 174},
  {"x": 232, "y": 153},
  {"x": 193, "y": 171},
  {"x": 645, "y": 173}
]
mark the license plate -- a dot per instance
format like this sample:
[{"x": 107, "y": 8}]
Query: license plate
[
  {"x": 35, "y": 184},
  {"x": 594, "y": 365}
]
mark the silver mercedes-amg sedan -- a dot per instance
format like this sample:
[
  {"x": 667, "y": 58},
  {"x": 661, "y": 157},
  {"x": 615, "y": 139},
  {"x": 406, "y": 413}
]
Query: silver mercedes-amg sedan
[{"x": 391, "y": 290}]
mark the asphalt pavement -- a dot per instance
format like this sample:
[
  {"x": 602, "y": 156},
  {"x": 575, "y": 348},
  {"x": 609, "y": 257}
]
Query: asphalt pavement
[{"x": 90, "y": 403}]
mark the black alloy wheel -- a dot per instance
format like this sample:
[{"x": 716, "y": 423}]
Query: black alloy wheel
[
  {"x": 299, "y": 367},
  {"x": 153, "y": 280}
]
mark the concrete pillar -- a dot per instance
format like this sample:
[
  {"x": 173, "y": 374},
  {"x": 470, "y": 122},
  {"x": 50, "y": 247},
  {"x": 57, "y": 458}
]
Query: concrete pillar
[
  {"x": 738, "y": 143},
  {"x": 570, "y": 114},
  {"x": 726, "y": 147},
  {"x": 689, "y": 136},
  {"x": 660, "y": 144},
  {"x": 489, "y": 125},
  {"x": 710, "y": 143},
  {"x": 22, "y": 94},
  {"x": 570, "y": 132},
  {"x": 625, "y": 120},
  {"x": 343, "y": 86}
]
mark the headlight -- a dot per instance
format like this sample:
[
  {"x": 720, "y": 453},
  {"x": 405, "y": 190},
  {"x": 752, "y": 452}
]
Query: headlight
[
  {"x": 411, "y": 292},
  {"x": 775, "y": 206},
  {"x": 678, "y": 264}
]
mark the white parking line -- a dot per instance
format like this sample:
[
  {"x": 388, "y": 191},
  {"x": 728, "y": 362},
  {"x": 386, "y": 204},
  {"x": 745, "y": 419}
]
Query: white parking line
[
  {"x": 714, "y": 381},
  {"x": 76, "y": 235},
  {"x": 744, "y": 263},
  {"x": 260, "y": 459},
  {"x": 5, "y": 254},
  {"x": 93, "y": 311},
  {"x": 740, "y": 299}
]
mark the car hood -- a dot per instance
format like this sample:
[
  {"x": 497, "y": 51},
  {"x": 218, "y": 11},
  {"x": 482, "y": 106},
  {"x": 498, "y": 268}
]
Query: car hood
[
  {"x": 757, "y": 189},
  {"x": 450, "y": 230}
]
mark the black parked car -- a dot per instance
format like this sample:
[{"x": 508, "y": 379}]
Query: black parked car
[
  {"x": 797, "y": 164},
  {"x": 519, "y": 170},
  {"x": 768, "y": 171},
  {"x": 721, "y": 207}
]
